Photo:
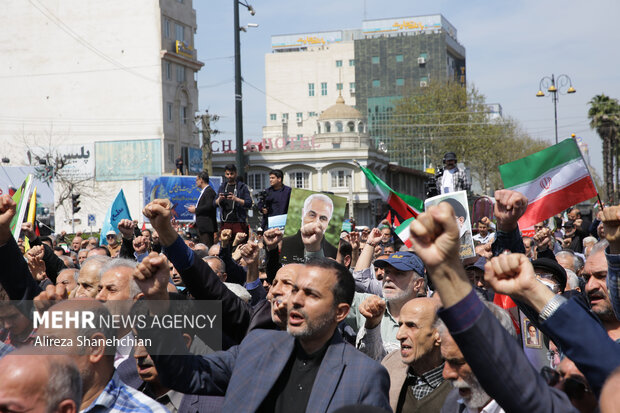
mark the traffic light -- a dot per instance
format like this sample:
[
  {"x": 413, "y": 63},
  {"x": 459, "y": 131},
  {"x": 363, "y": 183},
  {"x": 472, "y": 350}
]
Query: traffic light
[{"x": 75, "y": 202}]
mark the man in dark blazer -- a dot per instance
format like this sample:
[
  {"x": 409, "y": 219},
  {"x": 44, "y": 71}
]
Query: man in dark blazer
[
  {"x": 309, "y": 367},
  {"x": 206, "y": 221},
  {"x": 487, "y": 347},
  {"x": 309, "y": 241}
]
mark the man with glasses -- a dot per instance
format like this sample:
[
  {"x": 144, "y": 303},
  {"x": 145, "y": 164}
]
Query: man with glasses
[{"x": 113, "y": 245}]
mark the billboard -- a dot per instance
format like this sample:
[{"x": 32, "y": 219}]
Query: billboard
[
  {"x": 180, "y": 190},
  {"x": 304, "y": 40},
  {"x": 79, "y": 160},
  {"x": 127, "y": 160},
  {"x": 194, "y": 161},
  {"x": 408, "y": 24}
]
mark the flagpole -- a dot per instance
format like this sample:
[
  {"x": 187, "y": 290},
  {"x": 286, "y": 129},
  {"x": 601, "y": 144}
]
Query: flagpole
[{"x": 573, "y": 137}]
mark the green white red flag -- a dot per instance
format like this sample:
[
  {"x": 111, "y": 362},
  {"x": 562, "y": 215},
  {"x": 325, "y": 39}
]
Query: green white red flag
[
  {"x": 21, "y": 199},
  {"x": 403, "y": 232},
  {"x": 406, "y": 206},
  {"x": 552, "y": 180}
]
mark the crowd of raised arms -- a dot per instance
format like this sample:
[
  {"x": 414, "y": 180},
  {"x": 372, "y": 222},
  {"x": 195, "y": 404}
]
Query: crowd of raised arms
[{"x": 530, "y": 324}]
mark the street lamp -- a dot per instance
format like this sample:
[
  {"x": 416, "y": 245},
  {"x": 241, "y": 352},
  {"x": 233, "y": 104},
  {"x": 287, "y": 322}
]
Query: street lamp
[
  {"x": 238, "y": 96},
  {"x": 560, "y": 85}
]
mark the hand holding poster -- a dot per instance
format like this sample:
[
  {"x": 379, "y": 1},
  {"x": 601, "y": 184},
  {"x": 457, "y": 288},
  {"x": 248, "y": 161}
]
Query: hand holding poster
[
  {"x": 458, "y": 201},
  {"x": 313, "y": 225}
]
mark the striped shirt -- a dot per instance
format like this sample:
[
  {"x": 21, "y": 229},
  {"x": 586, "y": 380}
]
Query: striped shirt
[{"x": 423, "y": 385}]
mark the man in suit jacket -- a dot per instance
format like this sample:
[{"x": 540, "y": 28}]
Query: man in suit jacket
[
  {"x": 309, "y": 241},
  {"x": 206, "y": 221},
  {"x": 493, "y": 355},
  {"x": 310, "y": 367}
]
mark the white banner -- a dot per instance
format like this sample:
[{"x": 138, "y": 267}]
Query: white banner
[{"x": 79, "y": 160}]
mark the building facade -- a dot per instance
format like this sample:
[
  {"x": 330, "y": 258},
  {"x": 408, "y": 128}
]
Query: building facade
[
  {"x": 371, "y": 67},
  {"x": 325, "y": 162},
  {"x": 108, "y": 88}
]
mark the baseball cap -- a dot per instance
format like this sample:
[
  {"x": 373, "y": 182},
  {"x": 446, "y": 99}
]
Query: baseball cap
[
  {"x": 111, "y": 232},
  {"x": 479, "y": 264},
  {"x": 402, "y": 261},
  {"x": 449, "y": 156}
]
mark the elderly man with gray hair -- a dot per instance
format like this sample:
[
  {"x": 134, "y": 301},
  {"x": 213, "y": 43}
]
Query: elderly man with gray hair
[
  {"x": 39, "y": 382},
  {"x": 309, "y": 241}
]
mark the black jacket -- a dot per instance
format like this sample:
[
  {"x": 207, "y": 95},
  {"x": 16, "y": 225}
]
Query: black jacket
[{"x": 206, "y": 220}]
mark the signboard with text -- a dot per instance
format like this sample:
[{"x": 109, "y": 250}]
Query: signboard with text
[
  {"x": 180, "y": 190},
  {"x": 78, "y": 160},
  {"x": 127, "y": 160}
]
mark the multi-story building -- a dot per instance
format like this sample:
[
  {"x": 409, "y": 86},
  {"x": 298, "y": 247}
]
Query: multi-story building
[
  {"x": 371, "y": 67},
  {"x": 108, "y": 87}
]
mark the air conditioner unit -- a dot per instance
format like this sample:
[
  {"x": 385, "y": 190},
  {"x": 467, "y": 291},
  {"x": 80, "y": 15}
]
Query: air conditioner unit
[
  {"x": 423, "y": 83},
  {"x": 421, "y": 60},
  {"x": 284, "y": 120},
  {"x": 351, "y": 91}
]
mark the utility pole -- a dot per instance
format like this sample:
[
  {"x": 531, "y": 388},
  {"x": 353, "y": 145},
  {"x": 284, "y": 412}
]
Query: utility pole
[{"x": 207, "y": 154}]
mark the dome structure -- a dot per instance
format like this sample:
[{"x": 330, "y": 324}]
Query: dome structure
[{"x": 340, "y": 111}]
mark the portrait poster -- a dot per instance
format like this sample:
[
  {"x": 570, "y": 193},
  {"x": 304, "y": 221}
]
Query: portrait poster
[
  {"x": 458, "y": 201},
  {"x": 531, "y": 336},
  {"x": 310, "y": 208},
  {"x": 180, "y": 190}
]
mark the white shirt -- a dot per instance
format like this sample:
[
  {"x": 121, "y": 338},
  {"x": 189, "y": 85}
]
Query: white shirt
[
  {"x": 200, "y": 196},
  {"x": 492, "y": 407},
  {"x": 447, "y": 181},
  {"x": 484, "y": 240}
]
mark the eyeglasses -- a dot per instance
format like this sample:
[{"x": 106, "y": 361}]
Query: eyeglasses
[{"x": 110, "y": 236}]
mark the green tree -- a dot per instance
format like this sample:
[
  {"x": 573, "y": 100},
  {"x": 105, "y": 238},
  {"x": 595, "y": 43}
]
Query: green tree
[
  {"x": 604, "y": 115},
  {"x": 453, "y": 118}
]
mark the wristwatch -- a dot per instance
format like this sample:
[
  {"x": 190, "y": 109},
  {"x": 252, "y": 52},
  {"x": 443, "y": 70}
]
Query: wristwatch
[{"x": 551, "y": 307}]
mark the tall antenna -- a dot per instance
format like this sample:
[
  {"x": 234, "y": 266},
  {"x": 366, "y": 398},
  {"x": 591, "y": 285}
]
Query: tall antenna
[{"x": 364, "y": 9}]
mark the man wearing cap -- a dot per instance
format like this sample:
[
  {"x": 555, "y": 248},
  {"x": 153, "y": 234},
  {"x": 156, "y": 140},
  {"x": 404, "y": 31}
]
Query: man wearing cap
[
  {"x": 452, "y": 179},
  {"x": 113, "y": 245},
  {"x": 375, "y": 318}
]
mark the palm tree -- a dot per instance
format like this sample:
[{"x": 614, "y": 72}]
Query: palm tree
[{"x": 604, "y": 115}]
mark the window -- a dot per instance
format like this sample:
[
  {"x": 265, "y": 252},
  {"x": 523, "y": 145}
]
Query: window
[
  {"x": 338, "y": 126},
  {"x": 300, "y": 117},
  {"x": 328, "y": 127},
  {"x": 311, "y": 114},
  {"x": 180, "y": 74},
  {"x": 299, "y": 180},
  {"x": 310, "y": 89},
  {"x": 351, "y": 62},
  {"x": 284, "y": 116},
  {"x": 179, "y": 32},
  {"x": 399, "y": 57},
  {"x": 374, "y": 60},
  {"x": 376, "y": 83},
  {"x": 338, "y": 63},
  {"x": 171, "y": 152},
  {"x": 350, "y": 127},
  {"x": 168, "y": 70},
  {"x": 324, "y": 89},
  {"x": 166, "y": 28},
  {"x": 169, "y": 106},
  {"x": 257, "y": 181},
  {"x": 300, "y": 135},
  {"x": 273, "y": 116},
  {"x": 352, "y": 86},
  {"x": 400, "y": 82},
  {"x": 338, "y": 86},
  {"x": 340, "y": 178},
  {"x": 183, "y": 114}
]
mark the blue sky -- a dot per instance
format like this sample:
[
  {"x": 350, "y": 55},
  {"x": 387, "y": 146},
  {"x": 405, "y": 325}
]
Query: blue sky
[{"x": 510, "y": 46}]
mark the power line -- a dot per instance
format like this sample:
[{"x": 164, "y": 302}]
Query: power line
[{"x": 64, "y": 27}]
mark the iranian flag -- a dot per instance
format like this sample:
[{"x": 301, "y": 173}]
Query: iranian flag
[
  {"x": 403, "y": 232},
  {"x": 552, "y": 180},
  {"x": 406, "y": 206}
]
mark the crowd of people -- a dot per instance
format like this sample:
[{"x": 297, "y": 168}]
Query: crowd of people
[{"x": 530, "y": 324}]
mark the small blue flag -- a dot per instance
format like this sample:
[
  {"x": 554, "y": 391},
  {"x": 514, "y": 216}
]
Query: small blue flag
[{"x": 118, "y": 211}]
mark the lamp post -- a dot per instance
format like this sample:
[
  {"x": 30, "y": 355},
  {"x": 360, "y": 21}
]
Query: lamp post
[
  {"x": 240, "y": 160},
  {"x": 562, "y": 84}
]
